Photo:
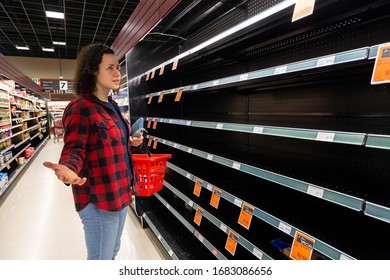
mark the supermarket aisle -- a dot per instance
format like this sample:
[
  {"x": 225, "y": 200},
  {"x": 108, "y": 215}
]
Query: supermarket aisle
[{"x": 38, "y": 220}]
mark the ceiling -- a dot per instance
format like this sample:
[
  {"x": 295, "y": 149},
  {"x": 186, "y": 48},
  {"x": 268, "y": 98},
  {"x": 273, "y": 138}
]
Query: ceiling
[{"x": 24, "y": 23}]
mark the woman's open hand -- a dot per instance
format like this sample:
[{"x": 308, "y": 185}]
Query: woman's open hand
[{"x": 65, "y": 174}]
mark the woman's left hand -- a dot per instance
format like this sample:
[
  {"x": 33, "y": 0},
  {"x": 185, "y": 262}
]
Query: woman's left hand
[{"x": 136, "y": 141}]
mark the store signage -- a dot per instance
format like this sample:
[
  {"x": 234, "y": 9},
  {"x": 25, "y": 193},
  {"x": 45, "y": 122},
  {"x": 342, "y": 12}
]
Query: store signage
[
  {"x": 381, "y": 73},
  {"x": 302, "y": 247},
  {"x": 56, "y": 84}
]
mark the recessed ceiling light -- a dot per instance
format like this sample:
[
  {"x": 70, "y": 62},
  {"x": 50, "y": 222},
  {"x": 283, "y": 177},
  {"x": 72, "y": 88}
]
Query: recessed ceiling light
[
  {"x": 59, "y": 43},
  {"x": 55, "y": 15},
  {"x": 26, "y": 48},
  {"x": 47, "y": 49}
]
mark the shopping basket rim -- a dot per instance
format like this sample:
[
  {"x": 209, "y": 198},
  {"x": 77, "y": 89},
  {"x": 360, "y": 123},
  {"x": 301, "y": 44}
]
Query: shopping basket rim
[{"x": 153, "y": 157}]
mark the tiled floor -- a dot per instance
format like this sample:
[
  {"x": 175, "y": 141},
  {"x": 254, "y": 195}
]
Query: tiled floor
[{"x": 38, "y": 220}]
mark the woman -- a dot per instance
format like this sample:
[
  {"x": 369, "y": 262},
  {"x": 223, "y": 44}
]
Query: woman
[{"x": 96, "y": 157}]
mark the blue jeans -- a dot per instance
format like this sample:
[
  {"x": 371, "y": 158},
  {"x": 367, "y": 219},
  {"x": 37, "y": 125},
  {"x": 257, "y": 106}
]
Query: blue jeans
[{"x": 102, "y": 231}]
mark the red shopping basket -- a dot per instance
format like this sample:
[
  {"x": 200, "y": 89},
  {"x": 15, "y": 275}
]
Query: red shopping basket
[{"x": 149, "y": 172}]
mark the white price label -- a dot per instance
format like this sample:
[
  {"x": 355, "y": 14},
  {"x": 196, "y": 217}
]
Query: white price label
[
  {"x": 188, "y": 175},
  {"x": 210, "y": 157},
  {"x": 170, "y": 252},
  {"x": 175, "y": 146},
  {"x": 209, "y": 187},
  {"x": 258, "y": 129},
  {"x": 329, "y": 60},
  {"x": 236, "y": 165},
  {"x": 170, "y": 121},
  {"x": 257, "y": 253},
  {"x": 315, "y": 191},
  {"x": 216, "y": 82},
  {"x": 244, "y": 77},
  {"x": 195, "y": 86},
  {"x": 164, "y": 141},
  {"x": 325, "y": 136},
  {"x": 191, "y": 203},
  {"x": 159, "y": 237},
  {"x": 238, "y": 202},
  {"x": 189, "y": 150},
  {"x": 189, "y": 123},
  {"x": 201, "y": 238},
  {"x": 223, "y": 227},
  {"x": 344, "y": 258},
  {"x": 162, "y": 120},
  {"x": 219, "y": 125},
  {"x": 168, "y": 206},
  {"x": 280, "y": 70},
  {"x": 285, "y": 228}
]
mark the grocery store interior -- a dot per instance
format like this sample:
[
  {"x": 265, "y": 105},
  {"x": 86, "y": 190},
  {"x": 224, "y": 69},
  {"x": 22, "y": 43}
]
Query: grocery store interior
[{"x": 273, "y": 116}]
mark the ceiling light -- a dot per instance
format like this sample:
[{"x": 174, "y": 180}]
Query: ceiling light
[
  {"x": 59, "y": 43},
  {"x": 55, "y": 15},
  {"x": 47, "y": 49},
  {"x": 26, "y": 48}
]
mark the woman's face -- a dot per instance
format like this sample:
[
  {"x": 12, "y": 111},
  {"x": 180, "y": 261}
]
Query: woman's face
[{"x": 108, "y": 76}]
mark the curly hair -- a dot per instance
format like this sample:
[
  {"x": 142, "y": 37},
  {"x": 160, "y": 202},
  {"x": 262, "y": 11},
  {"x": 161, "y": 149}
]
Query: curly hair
[{"x": 88, "y": 60}]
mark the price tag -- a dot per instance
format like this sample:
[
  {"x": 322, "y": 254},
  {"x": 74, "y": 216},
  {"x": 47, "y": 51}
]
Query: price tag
[
  {"x": 162, "y": 69},
  {"x": 210, "y": 187},
  {"x": 195, "y": 86},
  {"x": 325, "y": 136},
  {"x": 381, "y": 72},
  {"x": 201, "y": 238},
  {"x": 231, "y": 242},
  {"x": 223, "y": 227},
  {"x": 188, "y": 175},
  {"x": 149, "y": 122},
  {"x": 164, "y": 142},
  {"x": 150, "y": 142},
  {"x": 326, "y": 61},
  {"x": 170, "y": 252},
  {"x": 178, "y": 95},
  {"x": 147, "y": 76},
  {"x": 246, "y": 215},
  {"x": 244, "y": 77},
  {"x": 188, "y": 123},
  {"x": 161, "y": 96},
  {"x": 153, "y": 72},
  {"x": 210, "y": 157},
  {"x": 189, "y": 150},
  {"x": 155, "y": 143},
  {"x": 315, "y": 191},
  {"x": 175, "y": 63},
  {"x": 168, "y": 206},
  {"x": 219, "y": 126},
  {"x": 258, "y": 129},
  {"x": 237, "y": 202},
  {"x": 302, "y": 247},
  {"x": 159, "y": 237},
  {"x": 215, "y": 82},
  {"x": 257, "y": 253},
  {"x": 236, "y": 165},
  {"x": 197, "y": 187},
  {"x": 215, "y": 198},
  {"x": 191, "y": 203},
  {"x": 155, "y": 123},
  {"x": 150, "y": 99},
  {"x": 344, "y": 258},
  {"x": 280, "y": 70},
  {"x": 198, "y": 216},
  {"x": 303, "y": 8},
  {"x": 285, "y": 228}
]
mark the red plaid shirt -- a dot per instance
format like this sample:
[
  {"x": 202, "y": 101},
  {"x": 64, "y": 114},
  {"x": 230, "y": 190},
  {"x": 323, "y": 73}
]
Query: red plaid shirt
[{"x": 95, "y": 148}]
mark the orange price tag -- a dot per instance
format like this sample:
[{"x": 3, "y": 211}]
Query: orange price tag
[
  {"x": 178, "y": 95},
  {"x": 197, "y": 187},
  {"x": 231, "y": 242},
  {"x": 198, "y": 216},
  {"x": 160, "y": 98},
  {"x": 246, "y": 215},
  {"x": 155, "y": 143},
  {"x": 147, "y": 76},
  {"x": 150, "y": 99},
  {"x": 302, "y": 247},
  {"x": 381, "y": 73},
  {"x": 302, "y": 9},
  {"x": 152, "y": 76},
  {"x": 8, "y": 166},
  {"x": 149, "y": 123},
  {"x": 150, "y": 142},
  {"x": 162, "y": 69},
  {"x": 155, "y": 124},
  {"x": 175, "y": 62},
  {"x": 215, "y": 197}
]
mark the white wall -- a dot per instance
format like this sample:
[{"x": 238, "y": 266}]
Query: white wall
[{"x": 44, "y": 68}]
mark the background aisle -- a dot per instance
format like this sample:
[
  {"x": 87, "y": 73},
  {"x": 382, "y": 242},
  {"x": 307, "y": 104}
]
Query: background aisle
[{"x": 38, "y": 219}]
